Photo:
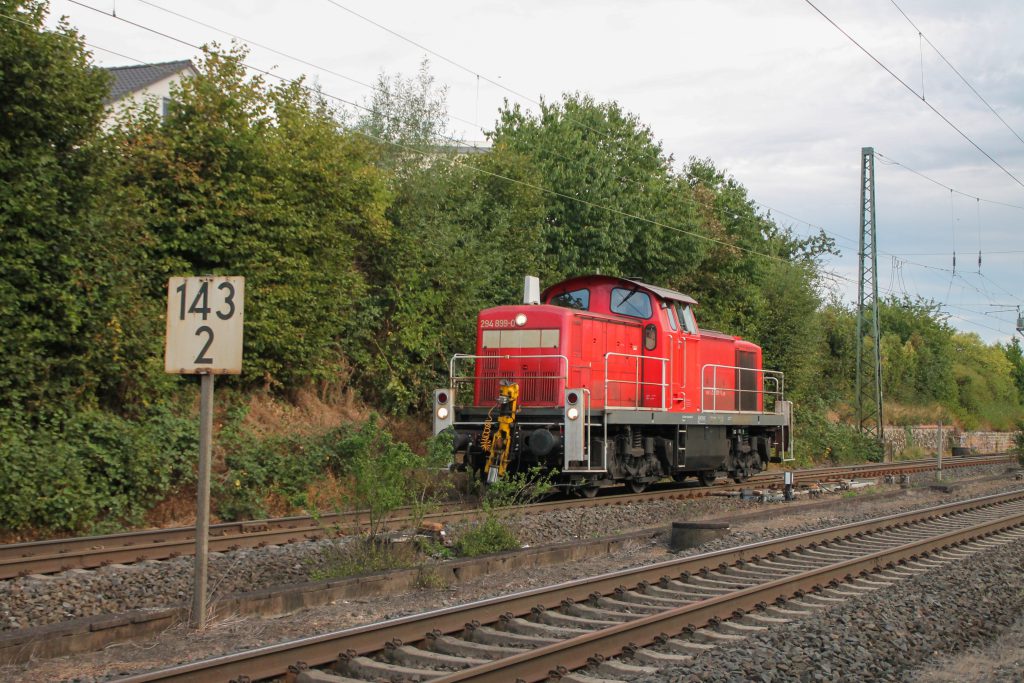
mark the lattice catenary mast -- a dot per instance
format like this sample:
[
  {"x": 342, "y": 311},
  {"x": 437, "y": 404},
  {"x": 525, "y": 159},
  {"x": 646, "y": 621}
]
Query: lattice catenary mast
[{"x": 869, "y": 361}]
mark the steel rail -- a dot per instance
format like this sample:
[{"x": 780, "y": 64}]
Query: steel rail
[
  {"x": 270, "y": 661},
  {"x": 575, "y": 653},
  {"x": 41, "y": 557}
]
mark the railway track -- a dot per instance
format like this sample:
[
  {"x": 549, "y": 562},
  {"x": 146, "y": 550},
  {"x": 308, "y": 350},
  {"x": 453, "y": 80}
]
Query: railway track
[
  {"x": 44, "y": 557},
  {"x": 636, "y": 621}
]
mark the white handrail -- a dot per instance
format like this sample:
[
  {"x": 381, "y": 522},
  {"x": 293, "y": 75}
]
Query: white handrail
[
  {"x": 775, "y": 377},
  {"x": 636, "y": 381}
]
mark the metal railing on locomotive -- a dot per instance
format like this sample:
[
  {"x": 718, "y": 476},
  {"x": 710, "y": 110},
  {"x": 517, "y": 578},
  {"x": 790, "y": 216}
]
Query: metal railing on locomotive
[
  {"x": 773, "y": 384},
  {"x": 464, "y": 385},
  {"x": 638, "y": 396},
  {"x": 772, "y": 388},
  {"x": 638, "y": 383},
  {"x": 464, "y": 391}
]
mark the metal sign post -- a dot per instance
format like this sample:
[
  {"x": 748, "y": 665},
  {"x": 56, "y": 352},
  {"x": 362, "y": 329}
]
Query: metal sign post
[{"x": 204, "y": 337}]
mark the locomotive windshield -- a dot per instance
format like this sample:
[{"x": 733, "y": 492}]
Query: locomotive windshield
[
  {"x": 631, "y": 302},
  {"x": 578, "y": 299}
]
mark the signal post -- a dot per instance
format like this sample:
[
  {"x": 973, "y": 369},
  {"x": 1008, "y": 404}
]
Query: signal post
[{"x": 204, "y": 337}]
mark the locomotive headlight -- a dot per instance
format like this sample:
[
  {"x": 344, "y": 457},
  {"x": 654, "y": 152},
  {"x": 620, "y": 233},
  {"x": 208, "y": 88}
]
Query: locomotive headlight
[
  {"x": 521, "y": 319},
  {"x": 572, "y": 413},
  {"x": 442, "y": 413}
]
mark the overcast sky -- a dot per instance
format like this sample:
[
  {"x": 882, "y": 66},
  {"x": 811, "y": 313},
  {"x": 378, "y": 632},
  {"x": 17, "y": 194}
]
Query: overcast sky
[{"x": 768, "y": 89}]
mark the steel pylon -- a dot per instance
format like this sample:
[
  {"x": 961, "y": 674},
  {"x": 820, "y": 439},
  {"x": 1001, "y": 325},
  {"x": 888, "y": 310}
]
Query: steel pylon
[{"x": 869, "y": 361}]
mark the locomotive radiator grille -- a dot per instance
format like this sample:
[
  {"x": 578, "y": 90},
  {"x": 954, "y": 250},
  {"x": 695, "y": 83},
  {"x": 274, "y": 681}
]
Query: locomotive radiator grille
[{"x": 540, "y": 376}]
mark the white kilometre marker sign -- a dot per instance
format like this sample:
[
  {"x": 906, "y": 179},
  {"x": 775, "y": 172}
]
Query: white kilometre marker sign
[{"x": 204, "y": 337}]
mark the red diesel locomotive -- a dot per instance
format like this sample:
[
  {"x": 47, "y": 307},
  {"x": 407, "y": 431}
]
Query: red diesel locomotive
[{"x": 609, "y": 380}]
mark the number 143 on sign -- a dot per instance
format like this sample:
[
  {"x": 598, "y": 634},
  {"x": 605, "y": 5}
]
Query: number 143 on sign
[{"x": 204, "y": 325}]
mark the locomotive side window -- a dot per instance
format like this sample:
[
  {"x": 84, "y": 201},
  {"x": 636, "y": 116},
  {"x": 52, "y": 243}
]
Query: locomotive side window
[
  {"x": 650, "y": 337},
  {"x": 631, "y": 302},
  {"x": 686, "y": 318},
  {"x": 671, "y": 313},
  {"x": 578, "y": 299}
]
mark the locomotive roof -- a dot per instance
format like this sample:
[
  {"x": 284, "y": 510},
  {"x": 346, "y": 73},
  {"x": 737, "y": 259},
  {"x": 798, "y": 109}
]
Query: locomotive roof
[{"x": 669, "y": 294}]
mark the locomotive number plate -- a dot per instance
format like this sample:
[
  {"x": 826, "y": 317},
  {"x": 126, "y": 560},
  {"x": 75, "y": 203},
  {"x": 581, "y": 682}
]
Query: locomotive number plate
[{"x": 497, "y": 323}]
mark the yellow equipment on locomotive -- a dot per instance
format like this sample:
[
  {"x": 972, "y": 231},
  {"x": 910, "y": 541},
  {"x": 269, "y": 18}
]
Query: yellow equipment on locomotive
[{"x": 499, "y": 445}]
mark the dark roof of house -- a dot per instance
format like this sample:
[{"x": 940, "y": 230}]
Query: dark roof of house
[{"x": 129, "y": 79}]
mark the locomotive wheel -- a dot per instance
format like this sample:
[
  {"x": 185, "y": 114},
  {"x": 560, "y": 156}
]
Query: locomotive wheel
[
  {"x": 679, "y": 477},
  {"x": 636, "y": 486},
  {"x": 588, "y": 491},
  {"x": 707, "y": 477}
]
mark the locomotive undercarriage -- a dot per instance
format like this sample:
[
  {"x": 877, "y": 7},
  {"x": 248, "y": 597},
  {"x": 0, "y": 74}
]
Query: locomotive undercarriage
[{"x": 636, "y": 454}]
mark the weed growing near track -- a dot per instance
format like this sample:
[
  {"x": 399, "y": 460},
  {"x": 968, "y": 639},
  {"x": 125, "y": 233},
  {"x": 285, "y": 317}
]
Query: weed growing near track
[{"x": 496, "y": 532}]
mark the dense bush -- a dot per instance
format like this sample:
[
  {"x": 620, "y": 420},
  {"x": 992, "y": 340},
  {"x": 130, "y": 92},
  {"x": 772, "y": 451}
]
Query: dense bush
[
  {"x": 375, "y": 472},
  {"x": 93, "y": 471},
  {"x": 820, "y": 440}
]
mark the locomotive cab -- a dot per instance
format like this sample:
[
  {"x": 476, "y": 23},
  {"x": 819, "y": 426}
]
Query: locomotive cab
[{"x": 610, "y": 380}]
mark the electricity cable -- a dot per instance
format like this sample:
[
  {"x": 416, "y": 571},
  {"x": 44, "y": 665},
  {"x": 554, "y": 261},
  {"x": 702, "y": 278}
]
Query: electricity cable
[
  {"x": 825, "y": 274},
  {"x": 957, "y": 72},
  {"x": 924, "y": 101}
]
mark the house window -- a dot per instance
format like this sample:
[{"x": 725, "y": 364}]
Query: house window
[{"x": 165, "y": 107}]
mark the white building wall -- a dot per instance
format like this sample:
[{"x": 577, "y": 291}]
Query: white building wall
[{"x": 159, "y": 91}]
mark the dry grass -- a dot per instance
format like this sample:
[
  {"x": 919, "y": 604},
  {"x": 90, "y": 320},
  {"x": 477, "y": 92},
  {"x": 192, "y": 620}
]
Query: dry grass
[
  {"x": 1005, "y": 654},
  {"x": 306, "y": 413},
  {"x": 900, "y": 414},
  {"x": 178, "y": 509}
]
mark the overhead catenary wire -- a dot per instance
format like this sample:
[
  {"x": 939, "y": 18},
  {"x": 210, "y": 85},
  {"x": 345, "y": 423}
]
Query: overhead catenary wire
[
  {"x": 280, "y": 53},
  {"x": 472, "y": 72},
  {"x": 955, "y": 70},
  {"x": 892, "y": 162},
  {"x": 324, "y": 69},
  {"x": 832, "y": 276},
  {"x": 914, "y": 92}
]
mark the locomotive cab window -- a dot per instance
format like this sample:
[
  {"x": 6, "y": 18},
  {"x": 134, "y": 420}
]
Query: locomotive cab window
[
  {"x": 578, "y": 299},
  {"x": 686, "y": 319},
  {"x": 631, "y": 302},
  {"x": 650, "y": 337},
  {"x": 671, "y": 313}
]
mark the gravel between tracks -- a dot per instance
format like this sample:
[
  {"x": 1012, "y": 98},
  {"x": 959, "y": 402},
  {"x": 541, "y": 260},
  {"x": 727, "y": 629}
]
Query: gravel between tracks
[
  {"x": 885, "y": 635},
  {"x": 158, "y": 584},
  {"x": 38, "y": 600}
]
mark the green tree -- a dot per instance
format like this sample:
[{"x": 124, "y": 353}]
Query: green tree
[
  {"x": 757, "y": 278},
  {"x": 464, "y": 233},
  {"x": 610, "y": 191},
  {"x": 73, "y": 322},
  {"x": 986, "y": 392},
  {"x": 263, "y": 182},
  {"x": 1014, "y": 354},
  {"x": 921, "y": 324}
]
